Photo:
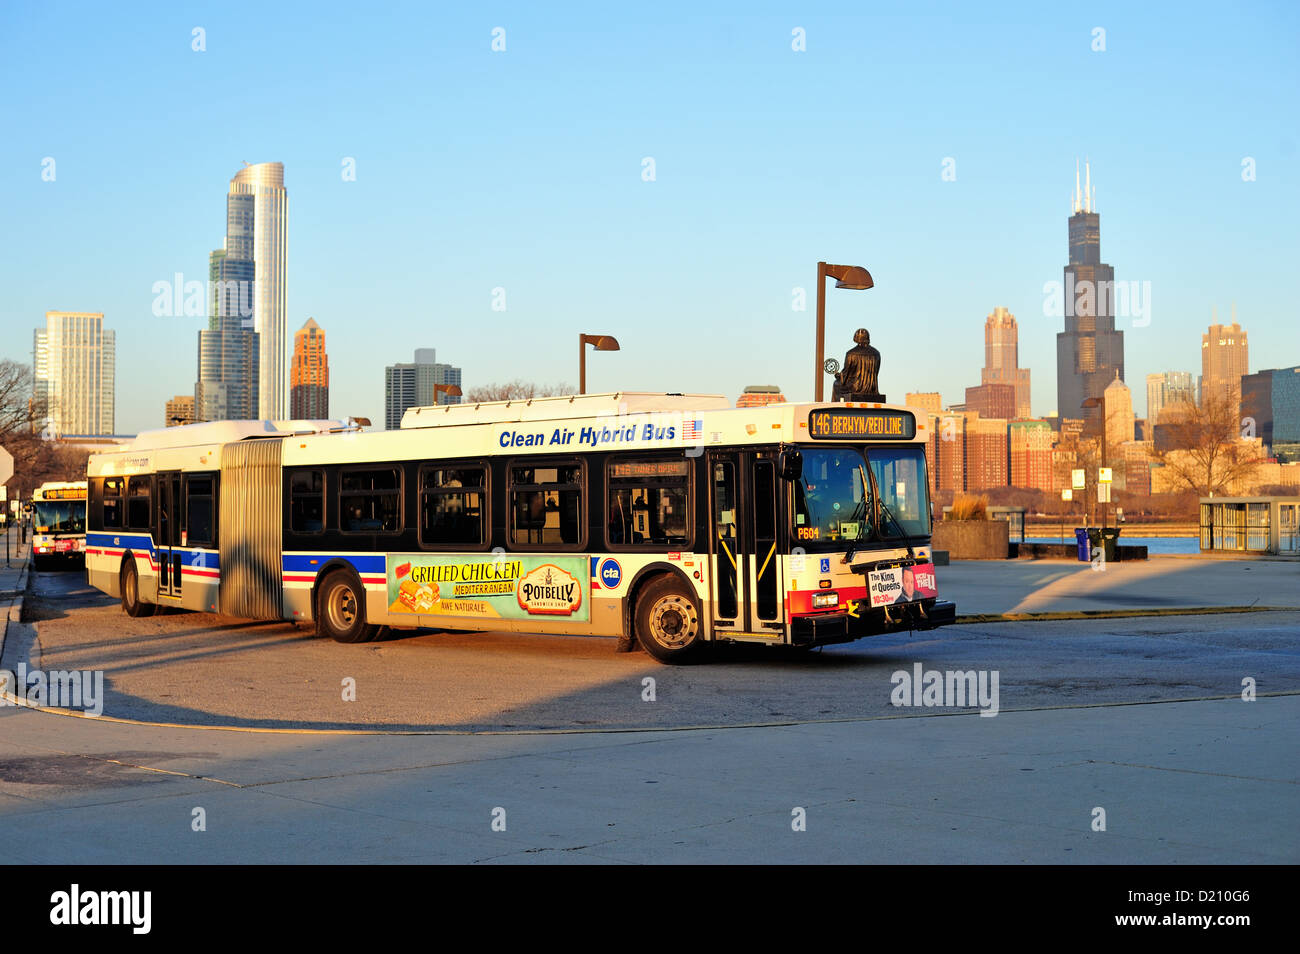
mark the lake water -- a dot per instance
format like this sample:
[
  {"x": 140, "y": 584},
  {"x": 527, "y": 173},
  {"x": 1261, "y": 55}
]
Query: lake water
[{"x": 1154, "y": 545}]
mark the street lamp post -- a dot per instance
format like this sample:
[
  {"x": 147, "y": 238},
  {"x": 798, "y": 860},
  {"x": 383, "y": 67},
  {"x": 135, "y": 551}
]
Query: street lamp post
[
  {"x": 600, "y": 343},
  {"x": 846, "y": 276},
  {"x": 451, "y": 390},
  {"x": 1101, "y": 403}
]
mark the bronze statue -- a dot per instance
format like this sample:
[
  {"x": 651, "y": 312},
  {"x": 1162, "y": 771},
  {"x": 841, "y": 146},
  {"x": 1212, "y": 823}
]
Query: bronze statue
[{"x": 858, "y": 380}]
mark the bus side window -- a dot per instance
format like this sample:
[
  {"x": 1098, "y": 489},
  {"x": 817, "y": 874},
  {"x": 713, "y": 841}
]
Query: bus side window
[
  {"x": 138, "y": 513},
  {"x": 370, "y": 501},
  {"x": 114, "y": 491},
  {"x": 199, "y": 510},
  {"x": 451, "y": 506},
  {"x": 546, "y": 505},
  {"x": 307, "y": 501}
]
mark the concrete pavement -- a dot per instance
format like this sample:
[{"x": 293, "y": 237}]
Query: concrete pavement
[
  {"x": 1048, "y": 586},
  {"x": 1203, "y": 782}
]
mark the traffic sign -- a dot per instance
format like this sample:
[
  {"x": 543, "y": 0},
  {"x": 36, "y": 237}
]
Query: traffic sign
[
  {"x": 1103, "y": 475},
  {"x": 1067, "y": 494},
  {"x": 1103, "y": 493},
  {"x": 1077, "y": 479},
  {"x": 6, "y": 466}
]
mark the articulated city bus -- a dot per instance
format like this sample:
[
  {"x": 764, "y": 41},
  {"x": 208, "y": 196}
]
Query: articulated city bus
[
  {"x": 58, "y": 523},
  {"x": 672, "y": 519}
]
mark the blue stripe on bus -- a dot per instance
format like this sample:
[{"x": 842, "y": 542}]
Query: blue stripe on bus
[
  {"x": 205, "y": 559},
  {"x": 312, "y": 562}
]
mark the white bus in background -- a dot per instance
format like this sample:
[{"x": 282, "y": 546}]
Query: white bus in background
[
  {"x": 58, "y": 523},
  {"x": 671, "y": 519}
]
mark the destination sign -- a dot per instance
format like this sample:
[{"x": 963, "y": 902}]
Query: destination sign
[
  {"x": 659, "y": 468},
  {"x": 861, "y": 423},
  {"x": 75, "y": 493}
]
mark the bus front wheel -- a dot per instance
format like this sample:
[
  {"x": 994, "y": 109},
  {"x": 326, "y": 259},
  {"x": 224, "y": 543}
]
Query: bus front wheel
[
  {"x": 129, "y": 579},
  {"x": 668, "y": 622},
  {"x": 341, "y": 609}
]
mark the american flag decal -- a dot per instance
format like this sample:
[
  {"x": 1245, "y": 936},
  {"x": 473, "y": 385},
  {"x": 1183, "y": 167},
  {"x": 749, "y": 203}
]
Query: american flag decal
[{"x": 692, "y": 430}]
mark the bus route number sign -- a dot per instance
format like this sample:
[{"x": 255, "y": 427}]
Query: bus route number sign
[{"x": 859, "y": 423}]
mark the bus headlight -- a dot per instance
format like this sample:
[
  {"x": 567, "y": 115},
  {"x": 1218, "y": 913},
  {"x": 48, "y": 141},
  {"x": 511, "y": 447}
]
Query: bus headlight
[{"x": 825, "y": 600}]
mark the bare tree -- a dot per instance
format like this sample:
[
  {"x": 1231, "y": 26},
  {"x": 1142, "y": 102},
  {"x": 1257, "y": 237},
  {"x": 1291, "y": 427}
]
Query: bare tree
[
  {"x": 516, "y": 390},
  {"x": 1204, "y": 451}
]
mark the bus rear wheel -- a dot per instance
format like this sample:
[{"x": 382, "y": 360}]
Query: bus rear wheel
[
  {"x": 341, "y": 609},
  {"x": 129, "y": 581},
  {"x": 668, "y": 622}
]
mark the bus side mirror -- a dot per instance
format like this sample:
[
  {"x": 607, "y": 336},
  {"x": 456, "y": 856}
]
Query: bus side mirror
[{"x": 791, "y": 465}]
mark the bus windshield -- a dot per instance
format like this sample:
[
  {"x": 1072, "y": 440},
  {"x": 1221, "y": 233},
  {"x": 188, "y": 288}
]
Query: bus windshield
[
  {"x": 899, "y": 473},
  {"x": 59, "y": 516},
  {"x": 833, "y": 497}
]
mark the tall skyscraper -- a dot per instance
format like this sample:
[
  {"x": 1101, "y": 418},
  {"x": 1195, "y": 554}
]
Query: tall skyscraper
[
  {"x": 1002, "y": 359},
  {"x": 264, "y": 184},
  {"x": 309, "y": 375},
  {"x": 1166, "y": 389},
  {"x": 74, "y": 358},
  {"x": 1225, "y": 357},
  {"x": 1089, "y": 351},
  {"x": 414, "y": 385},
  {"x": 228, "y": 384}
]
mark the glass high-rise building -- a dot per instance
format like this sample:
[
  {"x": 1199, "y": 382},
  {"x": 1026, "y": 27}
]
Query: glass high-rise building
[
  {"x": 1166, "y": 389},
  {"x": 1089, "y": 352},
  {"x": 1270, "y": 401},
  {"x": 264, "y": 184},
  {"x": 228, "y": 387},
  {"x": 412, "y": 385},
  {"x": 74, "y": 358}
]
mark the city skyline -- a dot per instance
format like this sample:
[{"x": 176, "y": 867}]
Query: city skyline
[{"x": 527, "y": 199}]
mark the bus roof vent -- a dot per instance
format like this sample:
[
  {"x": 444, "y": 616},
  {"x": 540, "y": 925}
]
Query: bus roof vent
[{"x": 614, "y": 403}]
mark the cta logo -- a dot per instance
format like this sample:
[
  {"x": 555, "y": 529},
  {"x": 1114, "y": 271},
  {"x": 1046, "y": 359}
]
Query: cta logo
[
  {"x": 549, "y": 591},
  {"x": 611, "y": 574}
]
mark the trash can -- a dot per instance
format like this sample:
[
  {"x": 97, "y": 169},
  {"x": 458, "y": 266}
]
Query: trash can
[
  {"x": 1081, "y": 540},
  {"x": 1109, "y": 538},
  {"x": 1094, "y": 543}
]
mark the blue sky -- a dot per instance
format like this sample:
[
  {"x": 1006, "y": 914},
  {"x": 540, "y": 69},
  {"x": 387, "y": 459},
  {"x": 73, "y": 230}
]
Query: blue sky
[{"x": 522, "y": 170}]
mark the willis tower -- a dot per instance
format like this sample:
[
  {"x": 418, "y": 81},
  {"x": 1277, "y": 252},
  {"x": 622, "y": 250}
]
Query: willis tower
[{"x": 1089, "y": 352}]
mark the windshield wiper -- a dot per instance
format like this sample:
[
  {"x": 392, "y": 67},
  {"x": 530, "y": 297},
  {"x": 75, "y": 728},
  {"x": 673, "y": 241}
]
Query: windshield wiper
[{"x": 907, "y": 541}]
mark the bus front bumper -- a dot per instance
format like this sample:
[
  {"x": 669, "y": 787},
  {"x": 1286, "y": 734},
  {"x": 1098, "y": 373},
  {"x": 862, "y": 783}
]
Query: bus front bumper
[{"x": 826, "y": 628}]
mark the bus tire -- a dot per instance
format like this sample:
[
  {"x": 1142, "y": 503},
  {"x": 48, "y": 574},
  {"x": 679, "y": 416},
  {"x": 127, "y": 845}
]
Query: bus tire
[
  {"x": 668, "y": 623},
  {"x": 341, "y": 609},
  {"x": 129, "y": 583}
]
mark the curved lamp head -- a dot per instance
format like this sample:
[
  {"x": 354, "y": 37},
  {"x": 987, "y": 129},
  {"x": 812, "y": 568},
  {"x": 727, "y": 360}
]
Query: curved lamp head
[
  {"x": 601, "y": 342},
  {"x": 850, "y": 276}
]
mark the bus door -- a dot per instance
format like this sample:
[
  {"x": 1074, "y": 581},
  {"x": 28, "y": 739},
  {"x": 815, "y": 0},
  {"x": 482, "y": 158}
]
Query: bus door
[
  {"x": 169, "y": 534},
  {"x": 744, "y": 554}
]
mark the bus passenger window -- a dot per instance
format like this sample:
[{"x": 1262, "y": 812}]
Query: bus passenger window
[
  {"x": 648, "y": 503},
  {"x": 114, "y": 491},
  {"x": 307, "y": 501},
  {"x": 546, "y": 505},
  {"x": 138, "y": 516},
  {"x": 451, "y": 506},
  {"x": 370, "y": 501},
  {"x": 199, "y": 510}
]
